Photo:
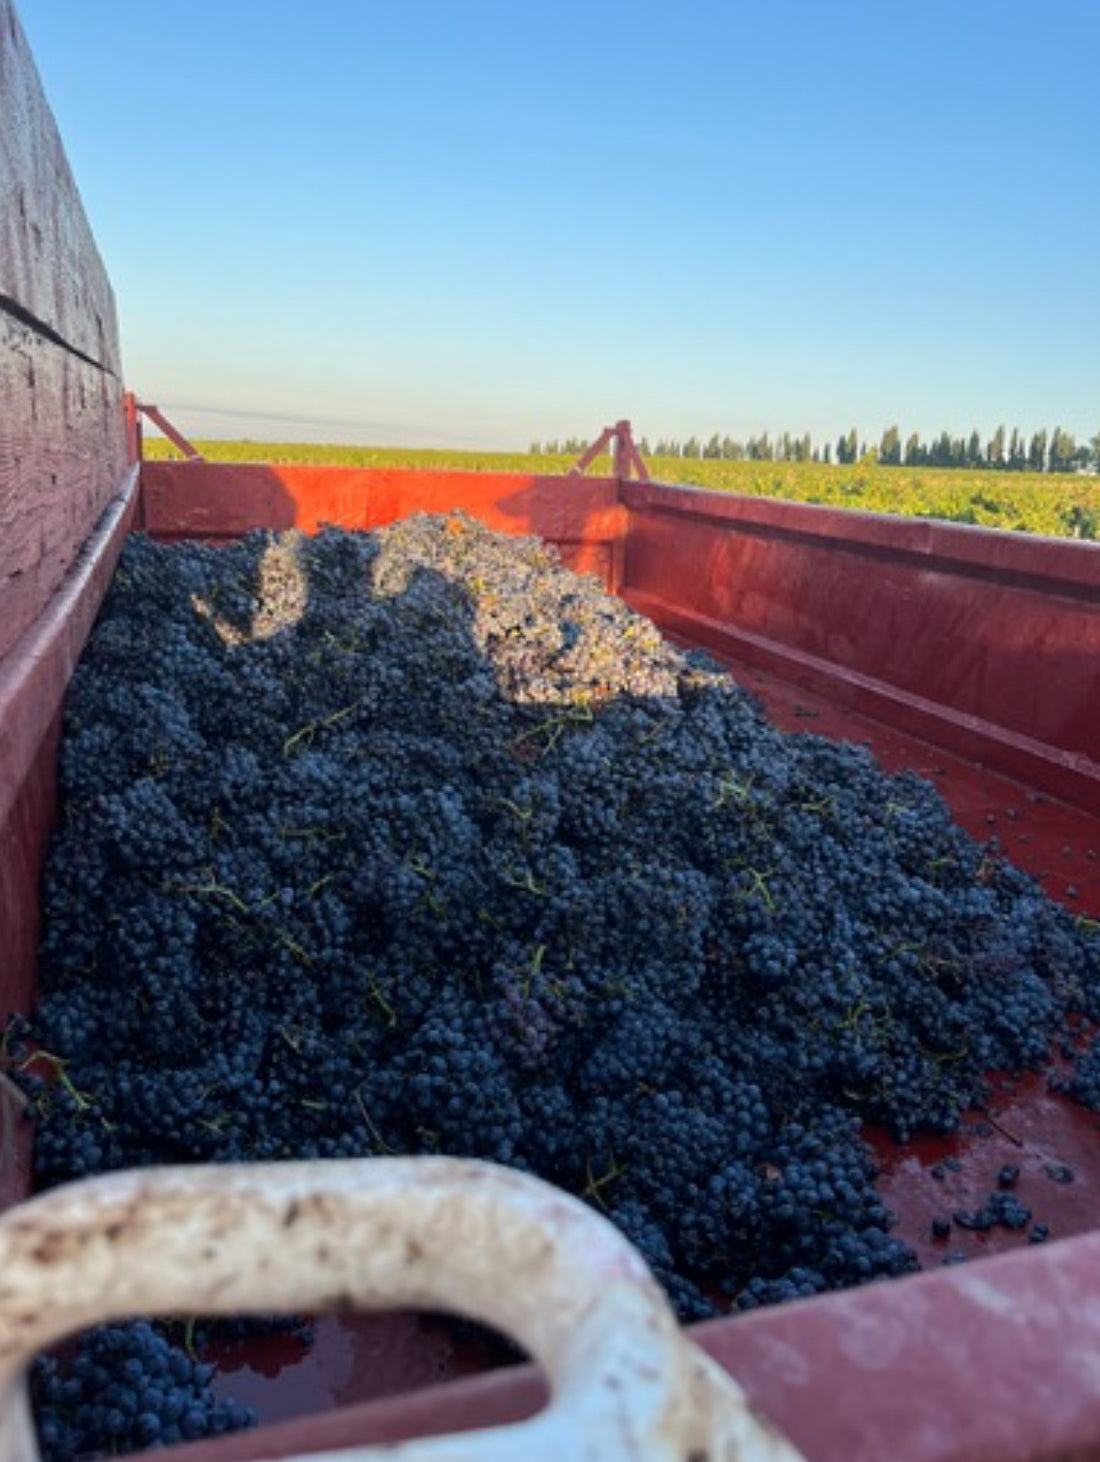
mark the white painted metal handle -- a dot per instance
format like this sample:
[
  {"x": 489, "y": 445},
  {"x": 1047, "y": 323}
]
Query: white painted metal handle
[{"x": 383, "y": 1233}]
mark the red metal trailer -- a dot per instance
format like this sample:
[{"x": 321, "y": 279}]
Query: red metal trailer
[{"x": 970, "y": 656}]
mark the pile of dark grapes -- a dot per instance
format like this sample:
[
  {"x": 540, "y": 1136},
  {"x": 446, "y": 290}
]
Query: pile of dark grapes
[
  {"x": 127, "y": 1388},
  {"x": 414, "y": 841}
]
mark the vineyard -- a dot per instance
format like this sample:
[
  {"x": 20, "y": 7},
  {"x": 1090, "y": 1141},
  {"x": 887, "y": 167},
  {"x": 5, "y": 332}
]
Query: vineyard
[{"x": 1056, "y": 504}]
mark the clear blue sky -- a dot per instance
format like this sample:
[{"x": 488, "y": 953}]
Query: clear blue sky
[{"x": 487, "y": 221}]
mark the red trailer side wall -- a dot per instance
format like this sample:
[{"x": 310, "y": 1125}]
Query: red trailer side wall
[
  {"x": 987, "y": 643},
  {"x": 582, "y": 516}
]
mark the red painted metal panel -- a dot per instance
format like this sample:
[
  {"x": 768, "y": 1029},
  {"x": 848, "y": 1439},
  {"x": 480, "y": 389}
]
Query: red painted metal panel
[
  {"x": 985, "y": 642},
  {"x": 24, "y": 833},
  {"x": 33, "y": 679},
  {"x": 215, "y": 501}
]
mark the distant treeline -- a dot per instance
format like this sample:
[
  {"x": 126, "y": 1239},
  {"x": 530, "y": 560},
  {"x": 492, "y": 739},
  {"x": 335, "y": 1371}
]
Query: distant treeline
[{"x": 1055, "y": 451}]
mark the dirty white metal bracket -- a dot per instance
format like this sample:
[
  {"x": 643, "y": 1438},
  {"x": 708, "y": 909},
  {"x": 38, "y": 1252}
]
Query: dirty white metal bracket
[{"x": 383, "y": 1233}]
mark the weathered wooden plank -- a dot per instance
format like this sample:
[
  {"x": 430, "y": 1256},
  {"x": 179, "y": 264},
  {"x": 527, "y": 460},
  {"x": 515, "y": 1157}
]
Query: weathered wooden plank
[
  {"x": 49, "y": 264},
  {"x": 62, "y": 436},
  {"x": 62, "y": 457}
]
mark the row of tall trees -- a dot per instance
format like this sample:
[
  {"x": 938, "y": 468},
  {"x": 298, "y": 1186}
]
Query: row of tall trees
[
  {"x": 1042, "y": 451},
  {"x": 1055, "y": 451}
]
